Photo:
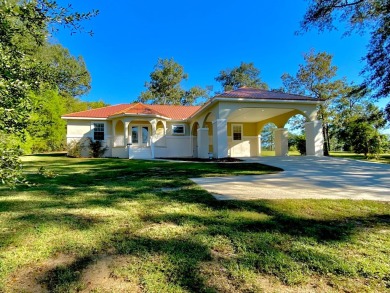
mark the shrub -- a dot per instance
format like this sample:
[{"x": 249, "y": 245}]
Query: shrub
[
  {"x": 96, "y": 150},
  {"x": 75, "y": 148},
  {"x": 301, "y": 144},
  {"x": 46, "y": 173},
  {"x": 297, "y": 142}
]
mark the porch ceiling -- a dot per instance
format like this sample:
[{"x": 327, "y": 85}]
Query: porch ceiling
[{"x": 250, "y": 115}]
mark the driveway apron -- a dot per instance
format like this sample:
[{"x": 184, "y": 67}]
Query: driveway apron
[{"x": 305, "y": 177}]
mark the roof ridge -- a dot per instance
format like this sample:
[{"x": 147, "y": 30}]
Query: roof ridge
[
  {"x": 251, "y": 90},
  {"x": 145, "y": 106}
]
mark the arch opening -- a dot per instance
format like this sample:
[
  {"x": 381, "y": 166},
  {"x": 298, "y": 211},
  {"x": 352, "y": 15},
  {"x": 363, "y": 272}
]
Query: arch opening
[
  {"x": 160, "y": 134},
  {"x": 194, "y": 137},
  {"x": 296, "y": 135},
  {"x": 208, "y": 123},
  {"x": 119, "y": 136},
  {"x": 267, "y": 136}
]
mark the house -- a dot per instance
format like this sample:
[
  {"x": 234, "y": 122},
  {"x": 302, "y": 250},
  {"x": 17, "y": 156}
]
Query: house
[{"x": 229, "y": 124}]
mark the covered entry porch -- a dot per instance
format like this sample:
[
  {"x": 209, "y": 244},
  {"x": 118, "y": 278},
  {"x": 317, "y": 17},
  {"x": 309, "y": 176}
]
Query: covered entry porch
[{"x": 136, "y": 138}]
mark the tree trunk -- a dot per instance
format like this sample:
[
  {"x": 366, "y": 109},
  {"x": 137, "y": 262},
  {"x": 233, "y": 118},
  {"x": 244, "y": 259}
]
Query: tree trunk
[{"x": 326, "y": 139}]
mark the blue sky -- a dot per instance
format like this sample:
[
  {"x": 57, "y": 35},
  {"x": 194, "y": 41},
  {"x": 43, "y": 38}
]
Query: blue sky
[{"x": 203, "y": 36}]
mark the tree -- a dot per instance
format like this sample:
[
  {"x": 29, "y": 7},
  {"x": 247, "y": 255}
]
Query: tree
[
  {"x": 356, "y": 122},
  {"x": 165, "y": 86},
  {"x": 297, "y": 142},
  {"x": 364, "y": 131},
  {"x": 372, "y": 16},
  {"x": 68, "y": 73},
  {"x": 46, "y": 130},
  {"x": 244, "y": 75},
  {"x": 387, "y": 112},
  {"x": 21, "y": 72},
  {"x": 268, "y": 136},
  {"x": 317, "y": 79}
]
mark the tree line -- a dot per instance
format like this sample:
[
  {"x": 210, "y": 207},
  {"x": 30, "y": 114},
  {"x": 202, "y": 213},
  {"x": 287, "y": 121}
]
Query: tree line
[
  {"x": 39, "y": 81},
  {"x": 351, "y": 120}
]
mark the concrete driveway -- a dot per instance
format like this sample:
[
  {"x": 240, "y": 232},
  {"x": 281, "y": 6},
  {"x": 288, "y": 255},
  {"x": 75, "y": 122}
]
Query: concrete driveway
[{"x": 305, "y": 177}]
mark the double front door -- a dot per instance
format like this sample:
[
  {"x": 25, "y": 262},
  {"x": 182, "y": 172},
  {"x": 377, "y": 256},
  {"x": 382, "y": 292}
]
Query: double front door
[{"x": 140, "y": 135}]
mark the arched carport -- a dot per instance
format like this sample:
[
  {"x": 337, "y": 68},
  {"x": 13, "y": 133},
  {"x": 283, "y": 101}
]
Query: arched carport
[{"x": 237, "y": 117}]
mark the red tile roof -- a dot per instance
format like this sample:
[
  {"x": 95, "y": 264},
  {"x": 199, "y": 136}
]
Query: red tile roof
[
  {"x": 100, "y": 112},
  {"x": 176, "y": 112},
  {"x": 252, "y": 93},
  {"x": 183, "y": 112},
  {"x": 138, "y": 108},
  {"x": 169, "y": 111}
]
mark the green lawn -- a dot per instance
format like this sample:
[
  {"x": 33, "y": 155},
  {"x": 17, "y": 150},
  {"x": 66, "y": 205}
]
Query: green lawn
[
  {"x": 272, "y": 153},
  {"x": 383, "y": 158},
  {"x": 106, "y": 225}
]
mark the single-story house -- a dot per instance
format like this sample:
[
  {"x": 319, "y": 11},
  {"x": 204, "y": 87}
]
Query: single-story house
[{"x": 229, "y": 124}]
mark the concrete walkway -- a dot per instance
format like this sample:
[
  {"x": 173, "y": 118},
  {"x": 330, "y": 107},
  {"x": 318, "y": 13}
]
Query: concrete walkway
[{"x": 305, "y": 177}]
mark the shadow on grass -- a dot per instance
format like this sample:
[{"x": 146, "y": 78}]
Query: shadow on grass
[
  {"x": 179, "y": 259},
  {"x": 107, "y": 183},
  {"x": 180, "y": 264},
  {"x": 322, "y": 230},
  {"x": 116, "y": 181}
]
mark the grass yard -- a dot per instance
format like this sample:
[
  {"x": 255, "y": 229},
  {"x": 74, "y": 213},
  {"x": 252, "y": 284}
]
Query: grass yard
[
  {"x": 383, "y": 158},
  {"x": 272, "y": 153},
  {"x": 106, "y": 225}
]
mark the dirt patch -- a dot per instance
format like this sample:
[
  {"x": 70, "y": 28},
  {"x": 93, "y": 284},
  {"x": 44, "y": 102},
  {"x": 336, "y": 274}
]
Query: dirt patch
[
  {"x": 30, "y": 279},
  {"x": 99, "y": 277}
]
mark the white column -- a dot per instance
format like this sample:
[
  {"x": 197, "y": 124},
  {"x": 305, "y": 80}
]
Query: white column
[
  {"x": 220, "y": 141},
  {"x": 259, "y": 145},
  {"x": 314, "y": 138},
  {"x": 113, "y": 133},
  {"x": 281, "y": 142},
  {"x": 153, "y": 136},
  {"x": 203, "y": 143},
  {"x": 126, "y": 132}
]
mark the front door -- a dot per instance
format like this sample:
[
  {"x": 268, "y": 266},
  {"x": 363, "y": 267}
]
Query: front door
[{"x": 140, "y": 135}]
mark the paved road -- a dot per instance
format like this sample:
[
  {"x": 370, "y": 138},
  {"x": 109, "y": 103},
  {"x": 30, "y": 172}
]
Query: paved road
[{"x": 306, "y": 177}]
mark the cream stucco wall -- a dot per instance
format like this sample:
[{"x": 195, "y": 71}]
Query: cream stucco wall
[
  {"x": 176, "y": 146},
  {"x": 78, "y": 128},
  {"x": 247, "y": 147}
]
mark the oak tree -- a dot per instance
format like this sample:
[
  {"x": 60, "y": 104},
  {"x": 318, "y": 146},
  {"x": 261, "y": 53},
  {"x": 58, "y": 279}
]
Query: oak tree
[
  {"x": 165, "y": 86},
  {"x": 244, "y": 75},
  {"x": 372, "y": 16},
  {"x": 23, "y": 31},
  {"x": 316, "y": 78}
]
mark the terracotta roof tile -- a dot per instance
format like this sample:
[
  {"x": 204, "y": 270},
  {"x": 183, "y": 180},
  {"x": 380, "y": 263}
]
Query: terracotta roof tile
[
  {"x": 139, "y": 108},
  {"x": 100, "y": 112},
  {"x": 253, "y": 93},
  {"x": 175, "y": 112},
  {"x": 169, "y": 111}
]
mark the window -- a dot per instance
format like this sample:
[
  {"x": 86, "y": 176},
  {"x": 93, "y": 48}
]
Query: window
[
  {"x": 145, "y": 134},
  {"x": 134, "y": 134},
  {"x": 237, "y": 131},
  {"x": 178, "y": 129},
  {"x": 98, "y": 131}
]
